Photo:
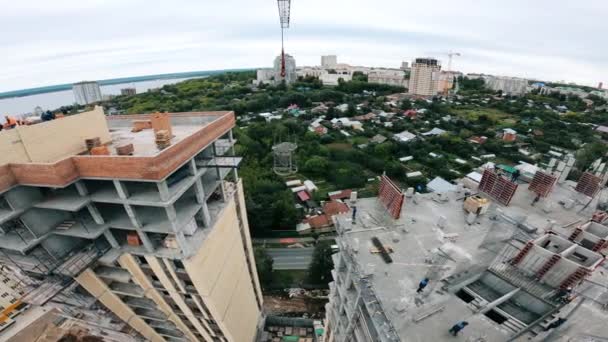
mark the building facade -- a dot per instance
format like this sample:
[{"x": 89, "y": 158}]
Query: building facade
[
  {"x": 128, "y": 91},
  {"x": 424, "y": 77},
  {"x": 86, "y": 92},
  {"x": 394, "y": 77},
  {"x": 329, "y": 62},
  {"x": 508, "y": 85},
  {"x": 158, "y": 236}
]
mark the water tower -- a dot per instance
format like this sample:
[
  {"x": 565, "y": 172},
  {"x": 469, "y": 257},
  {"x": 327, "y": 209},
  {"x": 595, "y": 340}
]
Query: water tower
[{"x": 284, "y": 163}]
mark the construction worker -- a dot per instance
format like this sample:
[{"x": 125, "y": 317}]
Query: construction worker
[
  {"x": 11, "y": 122},
  {"x": 563, "y": 295},
  {"x": 556, "y": 324},
  {"x": 456, "y": 328},
  {"x": 423, "y": 283},
  {"x": 536, "y": 199},
  {"x": 515, "y": 175}
]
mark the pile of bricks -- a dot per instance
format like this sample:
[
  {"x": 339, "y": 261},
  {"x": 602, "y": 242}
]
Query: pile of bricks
[
  {"x": 163, "y": 139},
  {"x": 100, "y": 151},
  {"x": 92, "y": 142},
  {"x": 140, "y": 125},
  {"x": 125, "y": 150},
  {"x": 133, "y": 239}
]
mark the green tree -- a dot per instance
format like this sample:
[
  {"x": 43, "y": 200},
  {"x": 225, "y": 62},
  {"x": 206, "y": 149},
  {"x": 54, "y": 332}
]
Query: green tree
[
  {"x": 264, "y": 264},
  {"x": 319, "y": 271},
  {"x": 316, "y": 166}
]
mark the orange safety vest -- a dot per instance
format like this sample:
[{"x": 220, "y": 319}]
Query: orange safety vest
[{"x": 10, "y": 122}]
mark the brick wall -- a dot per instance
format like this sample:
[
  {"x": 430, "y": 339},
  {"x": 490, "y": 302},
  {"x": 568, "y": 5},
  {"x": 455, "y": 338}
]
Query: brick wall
[{"x": 122, "y": 167}]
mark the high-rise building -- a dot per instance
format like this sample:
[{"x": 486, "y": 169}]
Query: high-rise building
[
  {"x": 424, "y": 77},
  {"x": 508, "y": 268},
  {"x": 273, "y": 75},
  {"x": 86, "y": 92},
  {"x": 128, "y": 91},
  {"x": 149, "y": 220},
  {"x": 290, "y": 69},
  {"x": 329, "y": 61}
]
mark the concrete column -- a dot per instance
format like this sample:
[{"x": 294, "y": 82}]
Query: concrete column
[
  {"x": 498, "y": 301},
  {"x": 121, "y": 189},
  {"x": 199, "y": 190},
  {"x": 82, "y": 189},
  {"x": 192, "y": 169},
  {"x": 172, "y": 215},
  {"x": 200, "y": 198},
  {"x": 138, "y": 225},
  {"x": 133, "y": 216},
  {"x": 163, "y": 189},
  {"x": 95, "y": 213},
  {"x": 147, "y": 243},
  {"x": 181, "y": 241},
  {"x": 111, "y": 239}
]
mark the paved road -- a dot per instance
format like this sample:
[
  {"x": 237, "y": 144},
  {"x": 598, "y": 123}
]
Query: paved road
[
  {"x": 291, "y": 240},
  {"x": 291, "y": 258}
]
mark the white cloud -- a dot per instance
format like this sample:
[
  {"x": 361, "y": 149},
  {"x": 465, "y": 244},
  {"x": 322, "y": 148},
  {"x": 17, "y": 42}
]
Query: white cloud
[{"x": 63, "y": 41}]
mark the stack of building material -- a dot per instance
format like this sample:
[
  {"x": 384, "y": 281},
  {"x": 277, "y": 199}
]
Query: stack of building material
[
  {"x": 163, "y": 139},
  {"x": 92, "y": 142},
  {"x": 161, "y": 122},
  {"x": 65, "y": 225},
  {"x": 140, "y": 125},
  {"x": 476, "y": 204},
  {"x": 100, "y": 151},
  {"x": 125, "y": 150},
  {"x": 133, "y": 239},
  {"x": 170, "y": 242}
]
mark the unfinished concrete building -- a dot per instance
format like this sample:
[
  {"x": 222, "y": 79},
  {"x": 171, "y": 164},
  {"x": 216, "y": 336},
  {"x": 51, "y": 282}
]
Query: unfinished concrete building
[
  {"x": 144, "y": 212},
  {"x": 510, "y": 272}
]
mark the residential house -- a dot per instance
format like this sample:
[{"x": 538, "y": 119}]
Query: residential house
[
  {"x": 378, "y": 139},
  {"x": 478, "y": 139},
  {"x": 435, "y": 131},
  {"x": 509, "y": 135},
  {"x": 404, "y": 136}
]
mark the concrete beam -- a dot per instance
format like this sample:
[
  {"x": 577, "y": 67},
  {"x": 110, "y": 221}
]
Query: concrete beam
[{"x": 498, "y": 301}]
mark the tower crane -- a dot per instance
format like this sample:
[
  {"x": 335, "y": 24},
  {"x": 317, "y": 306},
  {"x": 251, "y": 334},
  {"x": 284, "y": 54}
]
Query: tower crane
[
  {"x": 450, "y": 55},
  {"x": 284, "y": 7}
]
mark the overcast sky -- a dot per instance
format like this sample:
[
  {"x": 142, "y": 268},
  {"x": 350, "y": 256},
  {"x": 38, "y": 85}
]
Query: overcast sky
[{"x": 62, "y": 41}]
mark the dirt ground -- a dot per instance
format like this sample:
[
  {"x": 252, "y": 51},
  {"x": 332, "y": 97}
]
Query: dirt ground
[{"x": 278, "y": 305}]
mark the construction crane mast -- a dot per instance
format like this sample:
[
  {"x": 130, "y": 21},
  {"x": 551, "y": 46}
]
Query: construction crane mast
[
  {"x": 450, "y": 55},
  {"x": 284, "y": 7}
]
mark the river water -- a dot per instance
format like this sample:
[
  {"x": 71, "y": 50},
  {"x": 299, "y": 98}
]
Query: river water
[{"x": 54, "y": 100}]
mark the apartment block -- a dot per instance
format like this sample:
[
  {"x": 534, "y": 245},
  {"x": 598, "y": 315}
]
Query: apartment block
[
  {"x": 424, "y": 77},
  {"x": 144, "y": 212},
  {"x": 86, "y": 92}
]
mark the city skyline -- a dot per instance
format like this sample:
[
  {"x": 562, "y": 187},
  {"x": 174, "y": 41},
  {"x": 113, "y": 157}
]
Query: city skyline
[{"x": 104, "y": 39}]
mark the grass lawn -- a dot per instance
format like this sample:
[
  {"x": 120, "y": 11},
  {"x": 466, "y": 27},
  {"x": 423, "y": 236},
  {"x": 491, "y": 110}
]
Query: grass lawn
[{"x": 493, "y": 114}]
